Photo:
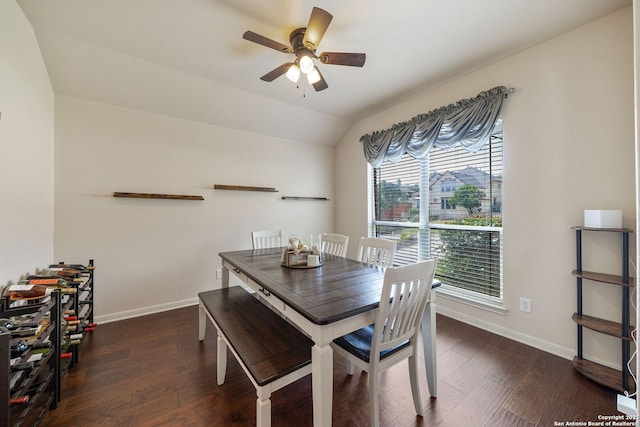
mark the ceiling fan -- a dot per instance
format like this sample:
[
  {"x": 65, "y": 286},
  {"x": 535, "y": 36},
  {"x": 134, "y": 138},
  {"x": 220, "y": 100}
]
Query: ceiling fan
[{"x": 304, "y": 42}]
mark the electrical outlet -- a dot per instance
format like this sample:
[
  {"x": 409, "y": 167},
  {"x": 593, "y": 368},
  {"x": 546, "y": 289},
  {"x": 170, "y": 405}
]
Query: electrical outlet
[
  {"x": 219, "y": 273},
  {"x": 525, "y": 305}
]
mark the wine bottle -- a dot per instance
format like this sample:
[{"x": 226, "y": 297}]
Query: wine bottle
[
  {"x": 26, "y": 292},
  {"x": 22, "y": 366},
  {"x": 41, "y": 345},
  {"x": 67, "y": 279},
  {"x": 64, "y": 269},
  {"x": 7, "y": 324},
  {"x": 86, "y": 327},
  {"x": 13, "y": 326},
  {"x": 19, "y": 400},
  {"x": 78, "y": 267},
  {"x": 67, "y": 342},
  {"x": 54, "y": 282},
  {"x": 18, "y": 348},
  {"x": 64, "y": 273},
  {"x": 15, "y": 379}
]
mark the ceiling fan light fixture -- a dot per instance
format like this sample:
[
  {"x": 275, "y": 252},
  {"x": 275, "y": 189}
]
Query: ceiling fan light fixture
[
  {"x": 304, "y": 42},
  {"x": 313, "y": 76},
  {"x": 293, "y": 73},
  {"x": 306, "y": 64}
]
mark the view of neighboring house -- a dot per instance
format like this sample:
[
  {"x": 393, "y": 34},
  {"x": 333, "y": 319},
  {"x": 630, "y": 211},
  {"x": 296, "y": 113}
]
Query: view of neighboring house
[
  {"x": 442, "y": 187},
  {"x": 402, "y": 201}
]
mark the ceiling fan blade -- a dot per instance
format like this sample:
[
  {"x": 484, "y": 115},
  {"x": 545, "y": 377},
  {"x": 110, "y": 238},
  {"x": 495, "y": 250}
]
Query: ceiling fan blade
[
  {"x": 277, "y": 72},
  {"x": 340, "y": 58},
  {"x": 320, "y": 84},
  {"x": 264, "y": 41},
  {"x": 317, "y": 26}
]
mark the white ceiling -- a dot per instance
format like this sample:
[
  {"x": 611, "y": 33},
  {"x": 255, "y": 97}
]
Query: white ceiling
[{"x": 187, "y": 58}]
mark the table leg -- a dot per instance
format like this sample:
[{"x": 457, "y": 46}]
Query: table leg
[
  {"x": 225, "y": 277},
  {"x": 322, "y": 382},
  {"x": 202, "y": 323},
  {"x": 429, "y": 344}
]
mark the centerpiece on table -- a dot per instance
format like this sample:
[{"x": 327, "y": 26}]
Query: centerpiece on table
[{"x": 299, "y": 255}]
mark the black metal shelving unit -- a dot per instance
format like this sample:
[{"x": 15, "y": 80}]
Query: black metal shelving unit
[{"x": 619, "y": 380}]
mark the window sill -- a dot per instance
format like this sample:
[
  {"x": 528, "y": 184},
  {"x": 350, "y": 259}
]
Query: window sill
[{"x": 493, "y": 305}]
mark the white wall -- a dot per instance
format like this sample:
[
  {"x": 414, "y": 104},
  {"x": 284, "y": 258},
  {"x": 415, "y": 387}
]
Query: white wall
[
  {"x": 157, "y": 254},
  {"x": 26, "y": 149},
  {"x": 568, "y": 146}
]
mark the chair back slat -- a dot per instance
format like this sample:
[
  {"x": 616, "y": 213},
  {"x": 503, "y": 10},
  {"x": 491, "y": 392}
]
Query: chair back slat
[
  {"x": 376, "y": 251},
  {"x": 266, "y": 239},
  {"x": 404, "y": 296},
  {"x": 334, "y": 244}
]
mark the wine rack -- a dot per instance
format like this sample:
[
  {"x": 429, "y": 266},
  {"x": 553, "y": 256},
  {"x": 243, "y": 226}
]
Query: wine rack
[
  {"x": 67, "y": 314},
  {"x": 77, "y": 307},
  {"x": 40, "y": 377}
]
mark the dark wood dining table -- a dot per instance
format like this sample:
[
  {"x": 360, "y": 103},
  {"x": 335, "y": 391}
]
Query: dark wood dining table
[{"x": 325, "y": 302}]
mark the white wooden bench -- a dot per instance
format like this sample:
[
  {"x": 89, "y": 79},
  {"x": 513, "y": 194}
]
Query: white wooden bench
[{"x": 271, "y": 351}]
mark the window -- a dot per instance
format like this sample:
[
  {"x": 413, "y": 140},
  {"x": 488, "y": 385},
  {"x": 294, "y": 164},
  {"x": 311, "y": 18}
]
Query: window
[
  {"x": 448, "y": 207},
  {"x": 445, "y": 204}
]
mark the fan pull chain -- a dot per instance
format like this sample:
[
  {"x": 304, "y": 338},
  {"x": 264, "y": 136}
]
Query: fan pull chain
[{"x": 304, "y": 89}]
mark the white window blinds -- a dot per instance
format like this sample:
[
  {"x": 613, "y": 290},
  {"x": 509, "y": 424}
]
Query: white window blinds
[{"x": 461, "y": 225}]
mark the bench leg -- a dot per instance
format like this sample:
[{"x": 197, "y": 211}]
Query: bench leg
[
  {"x": 221, "y": 359},
  {"x": 202, "y": 323},
  {"x": 263, "y": 408}
]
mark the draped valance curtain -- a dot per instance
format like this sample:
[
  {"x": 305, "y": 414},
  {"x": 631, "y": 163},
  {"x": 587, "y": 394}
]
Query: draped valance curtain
[{"x": 468, "y": 122}]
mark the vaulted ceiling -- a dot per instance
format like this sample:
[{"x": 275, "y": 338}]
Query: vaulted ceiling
[{"x": 187, "y": 58}]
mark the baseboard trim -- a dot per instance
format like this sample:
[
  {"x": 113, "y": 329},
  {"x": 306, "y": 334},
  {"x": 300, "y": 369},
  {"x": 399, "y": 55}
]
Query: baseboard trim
[
  {"x": 549, "y": 347},
  {"x": 143, "y": 311}
]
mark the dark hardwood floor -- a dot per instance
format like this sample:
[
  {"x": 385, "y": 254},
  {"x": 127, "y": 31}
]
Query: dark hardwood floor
[{"x": 153, "y": 371}]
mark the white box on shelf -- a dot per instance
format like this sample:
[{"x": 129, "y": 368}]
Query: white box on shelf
[{"x": 603, "y": 218}]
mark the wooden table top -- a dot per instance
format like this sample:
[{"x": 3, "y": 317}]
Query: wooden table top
[{"x": 339, "y": 289}]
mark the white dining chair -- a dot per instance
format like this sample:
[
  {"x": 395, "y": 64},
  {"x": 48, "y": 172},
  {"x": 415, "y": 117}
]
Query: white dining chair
[
  {"x": 334, "y": 244},
  {"x": 394, "y": 335},
  {"x": 266, "y": 239},
  {"x": 376, "y": 251}
]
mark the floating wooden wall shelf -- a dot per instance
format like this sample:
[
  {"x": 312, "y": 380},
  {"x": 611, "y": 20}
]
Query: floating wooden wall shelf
[
  {"x": 157, "y": 196},
  {"x": 303, "y": 198},
  {"x": 244, "y": 188}
]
